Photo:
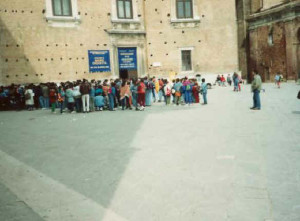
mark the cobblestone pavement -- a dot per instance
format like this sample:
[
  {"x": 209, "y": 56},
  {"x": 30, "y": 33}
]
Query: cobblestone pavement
[{"x": 220, "y": 162}]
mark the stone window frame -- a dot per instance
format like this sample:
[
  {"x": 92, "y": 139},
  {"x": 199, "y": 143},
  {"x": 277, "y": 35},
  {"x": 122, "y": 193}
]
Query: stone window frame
[
  {"x": 62, "y": 21},
  {"x": 195, "y": 14},
  {"x": 116, "y": 19},
  {"x": 180, "y": 57}
]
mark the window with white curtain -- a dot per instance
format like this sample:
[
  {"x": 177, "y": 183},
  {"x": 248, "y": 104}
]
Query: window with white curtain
[
  {"x": 62, "y": 7},
  {"x": 184, "y": 9},
  {"x": 124, "y": 9}
]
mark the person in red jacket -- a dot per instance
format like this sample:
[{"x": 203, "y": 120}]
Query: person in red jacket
[
  {"x": 223, "y": 80},
  {"x": 141, "y": 94},
  {"x": 196, "y": 90},
  {"x": 53, "y": 99}
]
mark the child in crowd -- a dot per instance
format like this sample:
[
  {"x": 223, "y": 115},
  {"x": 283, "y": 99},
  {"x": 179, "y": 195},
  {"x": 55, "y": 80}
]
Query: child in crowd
[
  {"x": 229, "y": 80},
  {"x": 99, "y": 102},
  {"x": 177, "y": 88},
  {"x": 61, "y": 98},
  {"x": 125, "y": 95},
  {"x": 167, "y": 90},
  {"x": 52, "y": 99},
  {"x": 278, "y": 79},
  {"x": 29, "y": 98},
  {"x": 70, "y": 98},
  {"x": 77, "y": 97},
  {"x": 196, "y": 91},
  {"x": 188, "y": 90},
  {"x": 141, "y": 94},
  {"x": 204, "y": 91}
]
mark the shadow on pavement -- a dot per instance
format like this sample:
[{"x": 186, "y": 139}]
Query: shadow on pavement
[
  {"x": 86, "y": 153},
  {"x": 11, "y": 208}
]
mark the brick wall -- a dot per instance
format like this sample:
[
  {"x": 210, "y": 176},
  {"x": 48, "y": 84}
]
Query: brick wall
[
  {"x": 281, "y": 56},
  {"x": 268, "y": 59}
]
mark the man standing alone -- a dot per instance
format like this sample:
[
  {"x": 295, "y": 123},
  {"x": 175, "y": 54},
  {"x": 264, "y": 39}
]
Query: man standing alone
[{"x": 256, "y": 87}]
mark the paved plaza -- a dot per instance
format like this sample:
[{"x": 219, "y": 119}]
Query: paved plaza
[{"x": 220, "y": 162}]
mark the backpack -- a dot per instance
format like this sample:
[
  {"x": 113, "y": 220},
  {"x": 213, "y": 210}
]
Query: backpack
[
  {"x": 60, "y": 98},
  {"x": 168, "y": 92},
  {"x": 150, "y": 85},
  {"x": 27, "y": 96}
]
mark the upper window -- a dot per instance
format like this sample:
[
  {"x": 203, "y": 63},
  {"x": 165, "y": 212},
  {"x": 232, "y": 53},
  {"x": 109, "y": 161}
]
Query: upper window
[
  {"x": 62, "y": 7},
  {"x": 124, "y": 9},
  {"x": 184, "y": 9}
]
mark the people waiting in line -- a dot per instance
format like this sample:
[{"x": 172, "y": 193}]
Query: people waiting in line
[{"x": 84, "y": 96}]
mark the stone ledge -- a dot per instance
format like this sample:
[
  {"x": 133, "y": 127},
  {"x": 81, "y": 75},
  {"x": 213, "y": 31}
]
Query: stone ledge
[
  {"x": 63, "y": 19},
  {"x": 126, "y": 21},
  {"x": 131, "y": 32},
  {"x": 60, "y": 21},
  {"x": 190, "y": 20},
  {"x": 280, "y": 13}
]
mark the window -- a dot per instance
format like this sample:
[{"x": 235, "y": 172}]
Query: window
[
  {"x": 124, "y": 9},
  {"x": 62, "y": 13},
  {"x": 270, "y": 39},
  {"x": 186, "y": 58},
  {"x": 184, "y": 9},
  {"x": 62, "y": 7}
]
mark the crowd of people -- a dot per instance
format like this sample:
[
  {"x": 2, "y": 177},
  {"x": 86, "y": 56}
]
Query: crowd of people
[
  {"x": 235, "y": 79},
  {"x": 84, "y": 96}
]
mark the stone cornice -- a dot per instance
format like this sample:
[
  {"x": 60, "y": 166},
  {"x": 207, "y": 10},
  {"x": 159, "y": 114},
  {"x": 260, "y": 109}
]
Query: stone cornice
[{"x": 284, "y": 12}]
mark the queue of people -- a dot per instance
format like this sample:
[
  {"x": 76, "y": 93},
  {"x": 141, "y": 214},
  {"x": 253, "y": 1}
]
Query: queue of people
[{"x": 84, "y": 96}]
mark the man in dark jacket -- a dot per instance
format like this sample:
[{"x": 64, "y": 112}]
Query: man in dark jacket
[
  {"x": 45, "y": 92},
  {"x": 85, "y": 95}
]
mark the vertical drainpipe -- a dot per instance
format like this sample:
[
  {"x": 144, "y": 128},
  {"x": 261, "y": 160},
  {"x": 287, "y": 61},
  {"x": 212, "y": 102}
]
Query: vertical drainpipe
[{"x": 146, "y": 44}]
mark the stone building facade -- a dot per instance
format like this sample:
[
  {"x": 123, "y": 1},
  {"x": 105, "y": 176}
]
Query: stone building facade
[
  {"x": 269, "y": 38},
  {"x": 60, "y": 40}
]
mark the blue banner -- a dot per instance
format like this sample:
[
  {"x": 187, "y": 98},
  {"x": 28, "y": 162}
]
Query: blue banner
[
  {"x": 99, "y": 61},
  {"x": 127, "y": 58}
]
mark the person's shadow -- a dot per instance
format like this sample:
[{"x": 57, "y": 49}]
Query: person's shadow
[{"x": 296, "y": 112}]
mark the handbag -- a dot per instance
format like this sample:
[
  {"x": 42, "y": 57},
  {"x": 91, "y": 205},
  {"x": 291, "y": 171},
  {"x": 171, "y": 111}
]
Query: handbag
[{"x": 177, "y": 94}]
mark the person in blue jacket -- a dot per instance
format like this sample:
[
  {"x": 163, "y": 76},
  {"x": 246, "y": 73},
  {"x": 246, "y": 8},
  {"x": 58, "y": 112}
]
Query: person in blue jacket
[{"x": 204, "y": 91}]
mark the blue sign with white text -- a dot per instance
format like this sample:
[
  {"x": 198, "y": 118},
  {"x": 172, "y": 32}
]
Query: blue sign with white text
[
  {"x": 99, "y": 61},
  {"x": 127, "y": 59}
]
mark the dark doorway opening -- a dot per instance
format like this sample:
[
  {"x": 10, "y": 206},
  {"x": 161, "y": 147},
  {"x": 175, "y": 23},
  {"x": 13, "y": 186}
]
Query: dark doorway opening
[
  {"x": 128, "y": 74},
  {"x": 124, "y": 74}
]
